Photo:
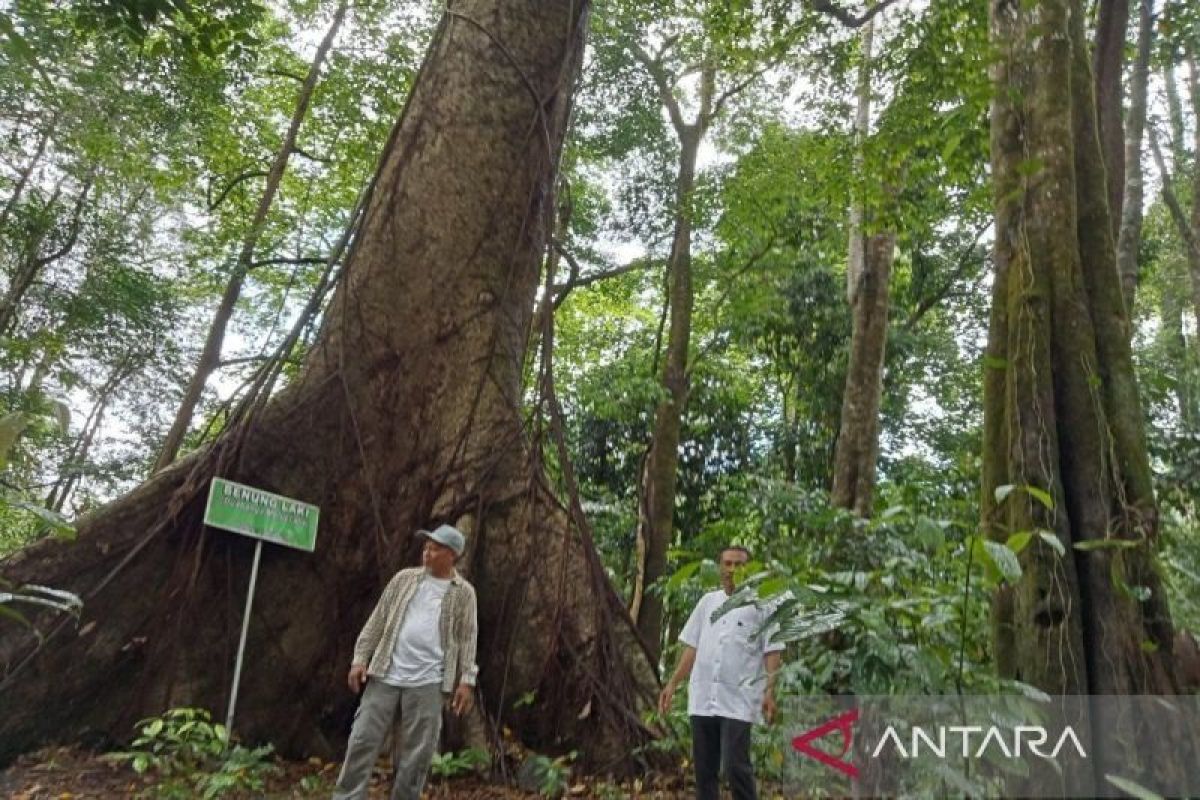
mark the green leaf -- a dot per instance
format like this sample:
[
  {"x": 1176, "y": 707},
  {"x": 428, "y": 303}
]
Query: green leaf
[
  {"x": 1041, "y": 495},
  {"x": 1004, "y": 559},
  {"x": 1002, "y": 492},
  {"x": 773, "y": 586},
  {"x": 1051, "y": 538},
  {"x": 1019, "y": 541},
  {"x": 682, "y": 574},
  {"x": 55, "y": 521},
  {"x": 1135, "y": 789}
]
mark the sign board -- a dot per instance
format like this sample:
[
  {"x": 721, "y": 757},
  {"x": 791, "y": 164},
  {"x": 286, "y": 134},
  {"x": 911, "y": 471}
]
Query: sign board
[{"x": 262, "y": 515}]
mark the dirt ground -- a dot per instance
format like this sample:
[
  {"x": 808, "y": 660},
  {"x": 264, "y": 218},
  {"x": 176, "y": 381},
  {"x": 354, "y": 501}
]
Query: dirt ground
[{"x": 65, "y": 773}]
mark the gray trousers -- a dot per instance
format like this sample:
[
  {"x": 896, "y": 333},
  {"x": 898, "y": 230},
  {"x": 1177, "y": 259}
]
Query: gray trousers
[{"x": 420, "y": 726}]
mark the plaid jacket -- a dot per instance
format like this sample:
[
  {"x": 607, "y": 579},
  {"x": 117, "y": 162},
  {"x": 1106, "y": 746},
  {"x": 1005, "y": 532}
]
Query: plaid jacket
[{"x": 457, "y": 625}]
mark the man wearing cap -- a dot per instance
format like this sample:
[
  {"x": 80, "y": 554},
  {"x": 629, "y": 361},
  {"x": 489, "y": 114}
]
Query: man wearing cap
[{"x": 417, "y": 647}]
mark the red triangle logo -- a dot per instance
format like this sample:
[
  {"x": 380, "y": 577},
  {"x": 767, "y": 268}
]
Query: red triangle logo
[{"x": 843, "y": 723}]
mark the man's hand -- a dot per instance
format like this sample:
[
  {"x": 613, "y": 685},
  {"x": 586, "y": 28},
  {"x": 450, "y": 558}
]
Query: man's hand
[
  {"x": 464, "y": 698},
  {"x": 768, "y": 707},
  {"x": 357, "y": 677},
  {"x": 665, "y": 697}
]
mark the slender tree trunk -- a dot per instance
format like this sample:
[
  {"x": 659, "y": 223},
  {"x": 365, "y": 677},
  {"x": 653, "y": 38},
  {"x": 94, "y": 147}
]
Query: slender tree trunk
[
  {"x": 1130, "y": 211},
  {"x": 869, "y": 278},
  {"x": 1175, "y": 344},
  {"x": 1062, "y": 411},
  {"x": 210, "y": 353},
  {"x": 656, "y": 520},
  {"x": 1183, "y": 225},
  {"x": 71, "y": 469},
  {"x": 27, "y": 171},
  {"x": 1108, "y": 59},
  {"x": 407, "y": 412}
]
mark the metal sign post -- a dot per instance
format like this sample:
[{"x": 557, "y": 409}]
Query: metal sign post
[
  {"x": 264, "y": 516},
  {"x": 237, "y": 667}
]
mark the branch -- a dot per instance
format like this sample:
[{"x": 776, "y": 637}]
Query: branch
[
  {"x": 311, "y": 157},
  {"x": 1168, "y": 194},
  {"x": 266, "y": 262},
  {"x": 75, "y": 225},
  {"x": 577, "y": 279},
  {"x": 245, "y": 176},
  {"x": 742, "y": 270},
  {"x": 964, "y": 261},
  {"x": 665, "y": 87},
  {"x": 283, "y": 73},
  {"x": 845, "y": 17}
]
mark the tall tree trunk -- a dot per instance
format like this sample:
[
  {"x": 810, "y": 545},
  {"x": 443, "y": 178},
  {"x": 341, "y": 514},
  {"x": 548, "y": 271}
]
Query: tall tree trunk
[
  {"x": 210, "y": 353},
  {"x": 1129, "y": 236},
  {"x": 407, "y": 412},
  {"x": 1062, "y": 411},
  {"x": 868, "y": 280},
  {"x": 656, "y": 518},
  {"x": 1108, "y": 58}
]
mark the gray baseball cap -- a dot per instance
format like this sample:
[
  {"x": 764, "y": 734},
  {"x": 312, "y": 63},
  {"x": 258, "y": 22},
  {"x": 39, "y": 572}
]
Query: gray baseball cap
[{"x": 448, "y": 535}]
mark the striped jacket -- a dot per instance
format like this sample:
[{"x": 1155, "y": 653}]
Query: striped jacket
[{"x": 457, "y": 625}]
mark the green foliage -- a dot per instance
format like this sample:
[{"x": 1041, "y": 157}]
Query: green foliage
[
  {"x": 464, "y": 762},
  {"x": 192, "y": 756},
  {"x": 553, "y": 775}
]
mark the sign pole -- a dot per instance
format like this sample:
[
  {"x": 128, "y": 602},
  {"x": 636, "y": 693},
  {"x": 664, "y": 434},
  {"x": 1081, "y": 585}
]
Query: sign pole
[{"x": 237, "y": 669}]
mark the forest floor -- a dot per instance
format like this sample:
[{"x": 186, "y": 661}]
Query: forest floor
[{"x": 68, "y": 773}]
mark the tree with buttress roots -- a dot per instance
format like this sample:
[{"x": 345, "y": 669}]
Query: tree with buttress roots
[
  {"x": 1065, "y": 457},
  {"x": 407, "y": 411}
]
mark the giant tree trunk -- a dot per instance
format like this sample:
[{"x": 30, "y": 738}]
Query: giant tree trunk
[
  {"x": 1061, "y": 408},
  {"x": 407, "y": 413}
]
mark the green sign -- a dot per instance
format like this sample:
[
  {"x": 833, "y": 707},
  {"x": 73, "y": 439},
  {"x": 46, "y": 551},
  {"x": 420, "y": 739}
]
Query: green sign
[{"x": 263, "y": 515}]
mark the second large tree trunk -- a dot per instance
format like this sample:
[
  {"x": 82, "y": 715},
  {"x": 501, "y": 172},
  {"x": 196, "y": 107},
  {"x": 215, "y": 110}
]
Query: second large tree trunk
[
  {"x": 1061, "y": 408},
  {"x": 407, "y": 413}
]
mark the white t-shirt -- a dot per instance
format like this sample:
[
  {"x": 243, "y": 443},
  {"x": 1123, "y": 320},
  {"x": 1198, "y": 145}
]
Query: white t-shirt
[
  {"x": 417, "y": 658},
  {"x": 728, "y": 677}
]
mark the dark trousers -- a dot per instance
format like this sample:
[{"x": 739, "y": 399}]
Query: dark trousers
[{"x": 722, "y": 745}]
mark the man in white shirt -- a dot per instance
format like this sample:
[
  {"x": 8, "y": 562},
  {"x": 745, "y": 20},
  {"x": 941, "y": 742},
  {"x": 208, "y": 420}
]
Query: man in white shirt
[
  {"x": 728, "y": 691},
  {"x": 417, "y": 647}
]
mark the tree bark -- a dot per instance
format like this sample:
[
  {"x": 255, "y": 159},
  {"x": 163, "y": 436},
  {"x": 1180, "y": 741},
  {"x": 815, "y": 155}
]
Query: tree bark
[
  {"x": 656, "y": 498},
  {"x": 210, "y": 353},
  {"x": 656, "y": 518},
  {"x": 407, "y": 413},
  {"x": 1108, "y": 61},
  {"x": 1062, "y": 409},
  {"x": 858, "y": 437},
  {"x": 868, "y": 280},
  {"x": 1129, "y": 236}
]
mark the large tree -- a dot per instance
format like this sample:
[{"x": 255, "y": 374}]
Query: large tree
[
  {"x": 1064, "y": 444},
  {"x": 407, "y": 412}
]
